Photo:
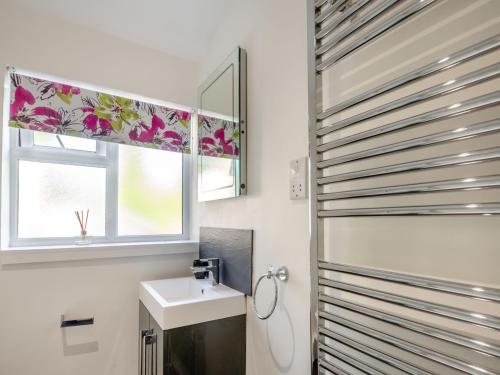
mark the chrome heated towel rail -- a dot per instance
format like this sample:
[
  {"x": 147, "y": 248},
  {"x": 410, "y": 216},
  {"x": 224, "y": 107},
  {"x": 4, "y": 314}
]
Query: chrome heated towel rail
[{"x": 404, "y": 129}]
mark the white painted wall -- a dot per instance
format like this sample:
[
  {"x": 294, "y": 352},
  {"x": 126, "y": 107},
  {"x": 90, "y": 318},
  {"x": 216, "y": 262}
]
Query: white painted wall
[
  {"x": 274, "y": 35},
  {"x": 33, "y": 296}
]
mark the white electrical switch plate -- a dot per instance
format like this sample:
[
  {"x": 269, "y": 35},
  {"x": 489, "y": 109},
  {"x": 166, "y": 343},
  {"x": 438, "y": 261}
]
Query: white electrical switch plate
[{"x": 298, "y": 178}]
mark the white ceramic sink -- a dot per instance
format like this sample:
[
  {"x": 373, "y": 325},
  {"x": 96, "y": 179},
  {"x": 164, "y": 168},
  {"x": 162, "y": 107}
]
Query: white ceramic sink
[{"x": 184, "y": 301}]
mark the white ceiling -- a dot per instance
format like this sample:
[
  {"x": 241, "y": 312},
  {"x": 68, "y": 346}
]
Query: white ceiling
[{"x": 181, "y": 28}]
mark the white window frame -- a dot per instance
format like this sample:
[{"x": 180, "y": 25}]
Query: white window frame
[{"x": 105, "y": 156}]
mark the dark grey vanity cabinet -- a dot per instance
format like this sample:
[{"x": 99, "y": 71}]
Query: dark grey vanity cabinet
[{"x": 210, "y": 348}]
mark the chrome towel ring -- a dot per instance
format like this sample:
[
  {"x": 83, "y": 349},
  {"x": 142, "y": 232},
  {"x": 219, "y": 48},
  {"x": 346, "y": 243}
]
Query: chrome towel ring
[{"x": 282, "y": 275}]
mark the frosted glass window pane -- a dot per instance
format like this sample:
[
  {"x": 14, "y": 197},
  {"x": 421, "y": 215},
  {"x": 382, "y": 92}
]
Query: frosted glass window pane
[
  {"x": 149, "y": 191},
  {"x": 50, "y": 193},
  {"x": 72, "y": 143}
]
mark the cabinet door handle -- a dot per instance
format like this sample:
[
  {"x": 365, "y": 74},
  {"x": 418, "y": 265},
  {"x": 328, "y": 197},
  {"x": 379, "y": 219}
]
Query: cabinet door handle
[
  {"x": 143, "y": 350},
  {"x": 150, "y": 341},
  {"x": 156, "y": 354},
  {"x": 140, "y": 353}
]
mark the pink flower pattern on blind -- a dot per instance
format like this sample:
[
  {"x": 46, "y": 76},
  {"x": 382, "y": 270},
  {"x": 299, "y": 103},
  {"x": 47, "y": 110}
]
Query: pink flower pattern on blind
[
  {"x": 57, "y": 108},
  {"x": 218, "y": 137}
]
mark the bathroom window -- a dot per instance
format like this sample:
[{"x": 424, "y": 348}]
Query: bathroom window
[{"x": 133, "y": 194}]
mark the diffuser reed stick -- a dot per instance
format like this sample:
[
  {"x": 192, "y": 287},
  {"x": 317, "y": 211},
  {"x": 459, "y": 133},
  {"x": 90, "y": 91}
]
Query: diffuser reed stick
[{"x": 82, "y": 221}]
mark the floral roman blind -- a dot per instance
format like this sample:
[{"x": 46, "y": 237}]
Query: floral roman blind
[
  {"x": 218, "y": 137},
  {"x": 52, "y": 107}
]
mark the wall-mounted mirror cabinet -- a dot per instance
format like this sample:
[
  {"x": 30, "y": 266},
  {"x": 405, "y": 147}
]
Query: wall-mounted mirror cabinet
[{"x": 222, "y": 131}]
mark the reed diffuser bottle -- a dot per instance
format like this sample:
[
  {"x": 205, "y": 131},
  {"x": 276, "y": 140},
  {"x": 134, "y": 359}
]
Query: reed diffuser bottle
[{"x": 84, "y": 239}]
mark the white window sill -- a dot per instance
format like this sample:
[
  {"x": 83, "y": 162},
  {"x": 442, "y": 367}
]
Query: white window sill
[{"x": 40, "y": 254}]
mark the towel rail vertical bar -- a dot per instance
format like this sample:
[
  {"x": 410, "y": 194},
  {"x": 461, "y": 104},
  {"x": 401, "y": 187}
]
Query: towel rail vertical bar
[{"x": 313, "y": 209}]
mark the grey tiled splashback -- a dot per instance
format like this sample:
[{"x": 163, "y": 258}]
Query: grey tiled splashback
[{"x": 234, "y": 248}]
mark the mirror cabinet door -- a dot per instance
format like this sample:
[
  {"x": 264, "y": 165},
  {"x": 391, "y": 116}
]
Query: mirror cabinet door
[{"x": 222, "y": 131}]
